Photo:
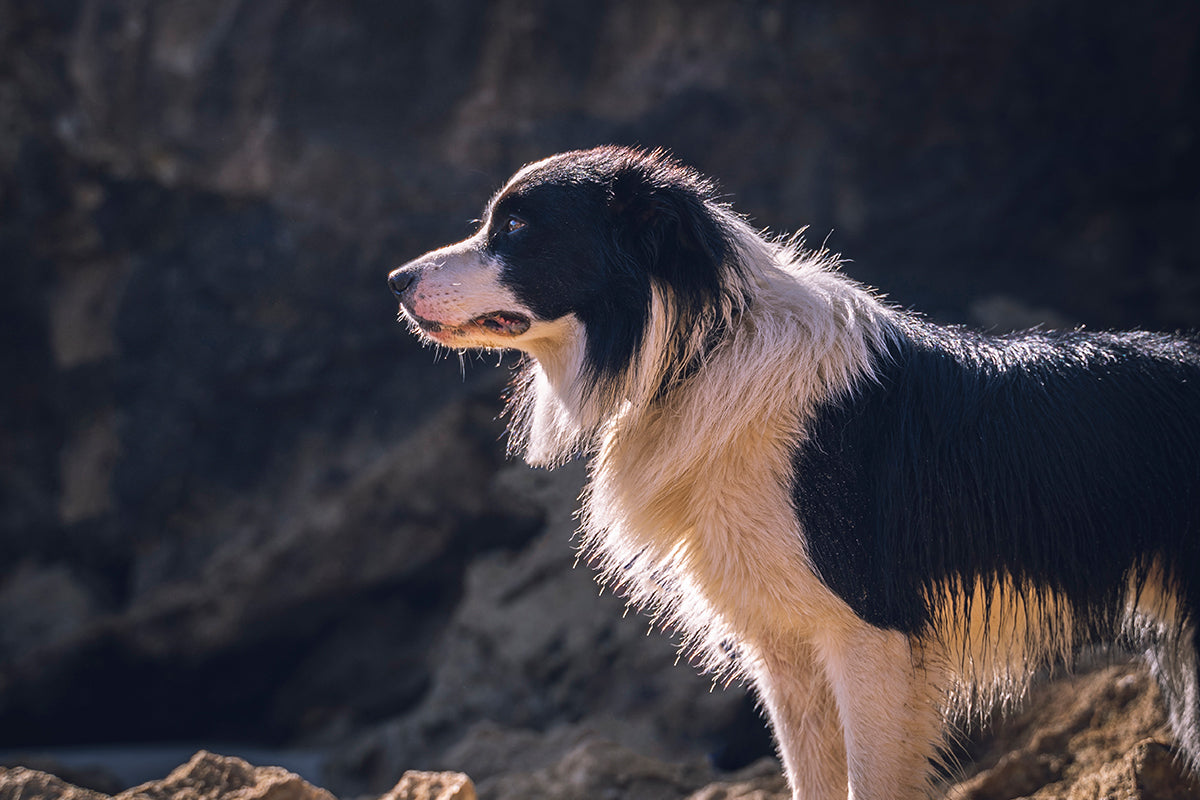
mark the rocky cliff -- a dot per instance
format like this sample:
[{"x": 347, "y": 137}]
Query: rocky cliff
[{"x": 238, "y": 503}]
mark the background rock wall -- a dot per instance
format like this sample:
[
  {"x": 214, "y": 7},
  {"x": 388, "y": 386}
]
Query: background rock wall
[{"x": 237, "y": 501}]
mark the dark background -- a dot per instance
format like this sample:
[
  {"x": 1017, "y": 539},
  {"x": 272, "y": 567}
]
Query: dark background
[{"x": 238, "y": 502}]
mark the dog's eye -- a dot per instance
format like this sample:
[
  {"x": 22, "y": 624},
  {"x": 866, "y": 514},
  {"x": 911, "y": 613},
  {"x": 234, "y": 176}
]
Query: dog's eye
[{"x": 512, "y": 224}]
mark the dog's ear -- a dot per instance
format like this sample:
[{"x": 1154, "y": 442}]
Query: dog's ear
[{"x": 669, "y": 227}]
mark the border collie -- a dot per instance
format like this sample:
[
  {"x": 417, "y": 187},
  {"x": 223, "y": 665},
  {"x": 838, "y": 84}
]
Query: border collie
[{"x": 878, "y": 521}]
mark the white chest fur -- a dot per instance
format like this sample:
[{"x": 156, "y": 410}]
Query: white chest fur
[{"x": 697, "y": 526}]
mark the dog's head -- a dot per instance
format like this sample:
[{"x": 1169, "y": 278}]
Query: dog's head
[{"x": 612, "y": 267}]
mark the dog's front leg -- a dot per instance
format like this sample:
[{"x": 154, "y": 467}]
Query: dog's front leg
[
  {"x": 888, "y": 704},
  {"x": 804, "y": 716}
]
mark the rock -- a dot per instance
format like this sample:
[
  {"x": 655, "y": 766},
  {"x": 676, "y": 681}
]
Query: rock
[
  {"x": 416, "y": 785},
  {"x": 84, "y": 776},
  {"x": 1157, "y": 775},
  {"x": 206, "y": 776},
  {"x": 212, "y": 777},
  {"x": 603, "y": 770},
  {"x": 20, "y": 783},
  {"x": 1096, "y": 734},
  {"x": 761, "y": 781}
]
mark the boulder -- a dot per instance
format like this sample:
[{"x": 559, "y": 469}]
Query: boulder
[
  {"x": 416, "y": 785},
  {"x": 21, "y": 783},
  {"x": 212, "y": 777}
]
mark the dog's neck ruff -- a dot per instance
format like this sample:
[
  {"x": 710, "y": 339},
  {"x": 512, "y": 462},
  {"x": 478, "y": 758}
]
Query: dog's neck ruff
[
  {"x": 787, "y": 316},
  {"x": 655, "y": 513}
]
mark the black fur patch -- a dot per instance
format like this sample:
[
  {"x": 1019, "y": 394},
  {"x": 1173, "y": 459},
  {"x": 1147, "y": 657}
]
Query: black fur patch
[{"x": 1062, "y": 460}]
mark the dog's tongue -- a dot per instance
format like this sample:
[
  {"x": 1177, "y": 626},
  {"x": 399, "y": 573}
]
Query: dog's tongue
[{"x": 503, "y": 322}]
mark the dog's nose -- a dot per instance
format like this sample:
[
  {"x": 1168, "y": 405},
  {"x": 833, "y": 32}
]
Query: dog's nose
[{"x": 400, "y": 280}]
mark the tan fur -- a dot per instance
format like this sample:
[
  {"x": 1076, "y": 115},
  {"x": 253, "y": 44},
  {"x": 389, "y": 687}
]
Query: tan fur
[{"x": 990, "y": 640}]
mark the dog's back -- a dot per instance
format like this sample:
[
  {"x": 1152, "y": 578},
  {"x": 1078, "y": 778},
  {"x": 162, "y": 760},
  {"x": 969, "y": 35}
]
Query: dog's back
[{"x": 1062, "y": 460}]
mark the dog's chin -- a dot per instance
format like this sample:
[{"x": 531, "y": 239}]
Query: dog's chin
[{"x": 490, "y": 330}]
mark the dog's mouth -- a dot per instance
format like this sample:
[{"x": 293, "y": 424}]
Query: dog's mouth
[
  {"x": 495, "y": 323},
  {"x": 504, "y": 323}
]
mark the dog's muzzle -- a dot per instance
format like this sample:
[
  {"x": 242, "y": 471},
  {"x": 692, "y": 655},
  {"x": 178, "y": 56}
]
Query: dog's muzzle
[{"x": 403, "y": 282}]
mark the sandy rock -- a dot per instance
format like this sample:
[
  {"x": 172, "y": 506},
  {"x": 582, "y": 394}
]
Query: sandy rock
[
  {"x": 415, "y": 785},
  {"x": 20, "y": 783},
  {"x": 1156, "y": 773},
  {"x": 212, "y": 777},
  {"x": 602, "y": 770},
  {"x": 761, "y": 781},
  {"x": 92, "y": 777},
  {"x": 1099, "y": 734}
]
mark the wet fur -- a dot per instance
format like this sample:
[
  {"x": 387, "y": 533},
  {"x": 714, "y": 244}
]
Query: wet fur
[{"x": 877, "y": 521}]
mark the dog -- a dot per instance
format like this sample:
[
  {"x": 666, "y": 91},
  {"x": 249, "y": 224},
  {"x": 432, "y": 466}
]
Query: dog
[{"x": 879, "y": 522}]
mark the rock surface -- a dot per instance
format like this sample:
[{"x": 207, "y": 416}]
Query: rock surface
[
  {"x": 1100, "y": 734},
  {"x": 416, "y": 785},
  {"x": 212, "y": 777},
  {"x": 20, "y": 783},
  {"x": 205, "y": 777},
  {"x": 238, "y": 496}
]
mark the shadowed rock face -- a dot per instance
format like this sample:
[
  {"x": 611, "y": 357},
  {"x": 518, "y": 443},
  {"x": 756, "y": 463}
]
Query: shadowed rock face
[{"x": 237, "y": 496}]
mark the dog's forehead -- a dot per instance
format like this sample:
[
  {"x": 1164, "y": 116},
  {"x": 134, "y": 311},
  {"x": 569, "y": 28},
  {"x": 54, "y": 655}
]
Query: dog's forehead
[
  {"x": 537, "y": 172},
  {"x": 564, "y": 169},
  {"x": 550, "y": 179}
]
